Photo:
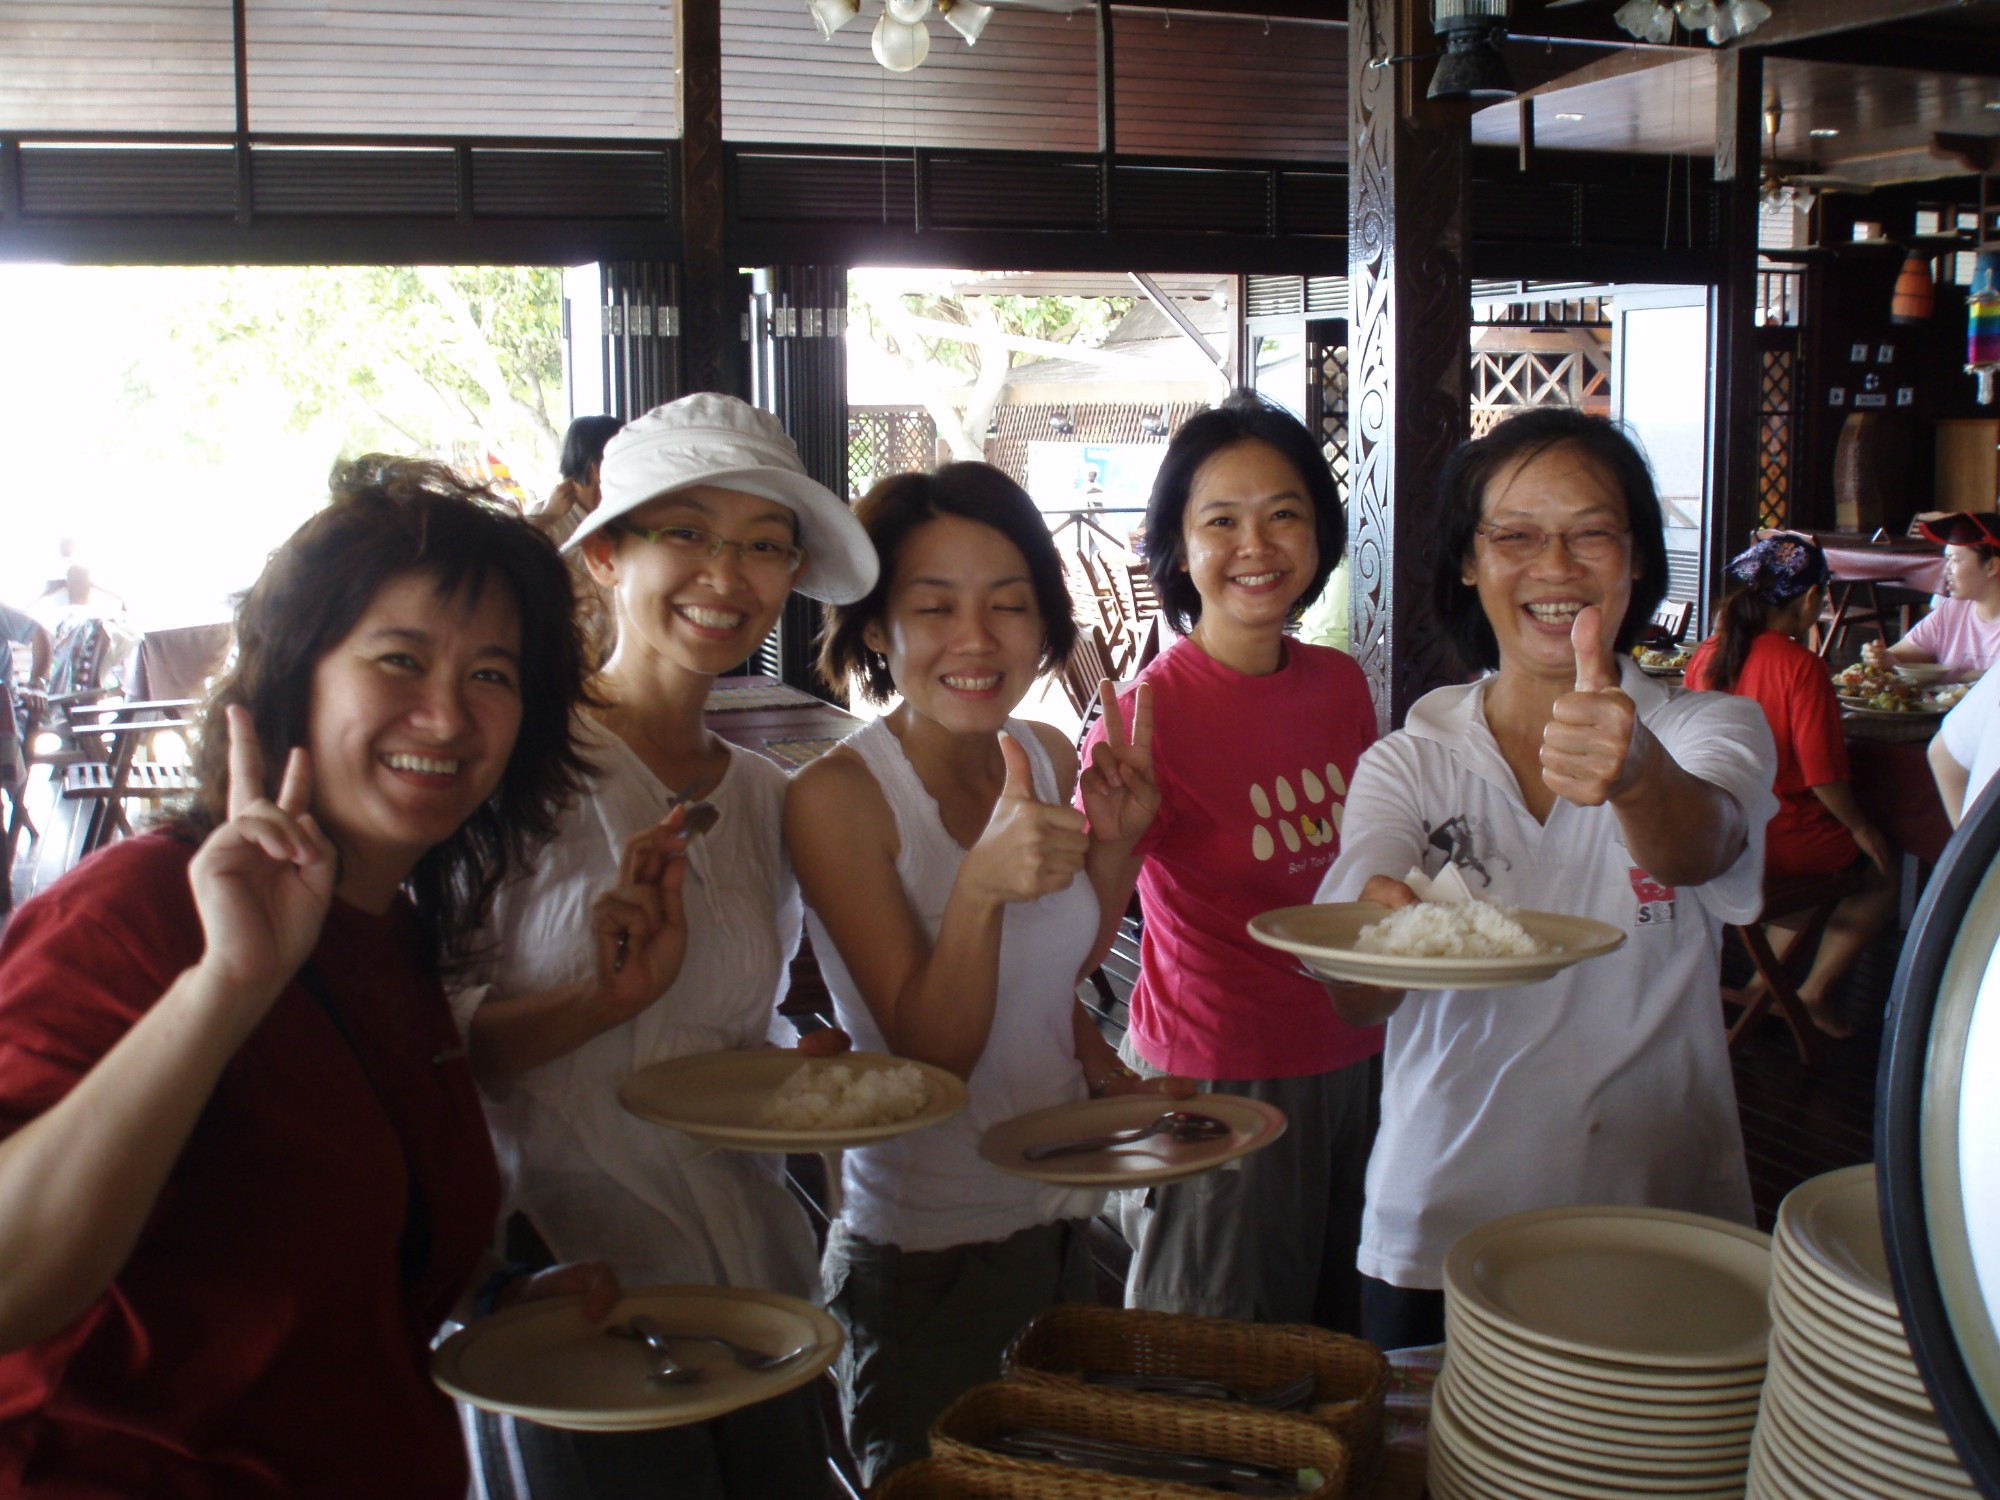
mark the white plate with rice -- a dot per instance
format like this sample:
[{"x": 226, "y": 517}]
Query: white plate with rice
[
  {"x": 776, "y": 1099},
  {"x": 1434, "y": 945}
]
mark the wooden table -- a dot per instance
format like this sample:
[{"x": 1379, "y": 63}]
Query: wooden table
[
  {"x": 1892, "y": 781},
  {"x": 782, "y": 723}
]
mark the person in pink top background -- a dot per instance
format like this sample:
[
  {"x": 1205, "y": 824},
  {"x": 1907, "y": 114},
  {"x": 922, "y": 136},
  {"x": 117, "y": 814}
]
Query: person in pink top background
[
  {"x": 1256, "y": 736},
  {"x": 1961, "y": 632}
]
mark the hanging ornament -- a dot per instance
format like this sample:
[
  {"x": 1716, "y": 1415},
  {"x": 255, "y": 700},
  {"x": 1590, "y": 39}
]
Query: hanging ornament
[
  {"x": 1915, "y": 295},
  {"x": 1982, "y": 323}
]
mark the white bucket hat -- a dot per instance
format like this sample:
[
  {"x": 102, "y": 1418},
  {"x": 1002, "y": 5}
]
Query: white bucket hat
[{"x": 715, "y": 439}]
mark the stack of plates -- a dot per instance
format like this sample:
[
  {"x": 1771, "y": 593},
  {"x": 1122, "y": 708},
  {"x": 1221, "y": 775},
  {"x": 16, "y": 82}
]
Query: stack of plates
[
  {"x": 1845, "y": 1414},
  {"x": 1599, "y": 1352}
]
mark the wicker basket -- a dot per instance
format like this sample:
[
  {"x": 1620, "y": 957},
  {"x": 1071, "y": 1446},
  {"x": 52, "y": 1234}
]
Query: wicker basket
[
  {"x": 1072, "y": 1340},
  {"x": 1216, "y": 1429},
  {"x": 963, "y": 1479}
]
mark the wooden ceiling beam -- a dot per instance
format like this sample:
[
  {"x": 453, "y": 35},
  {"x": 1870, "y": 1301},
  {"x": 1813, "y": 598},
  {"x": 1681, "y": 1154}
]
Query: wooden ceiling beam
[
  {"x": 1924, "y": 50},
  {"x": 1797, "y": 23}
]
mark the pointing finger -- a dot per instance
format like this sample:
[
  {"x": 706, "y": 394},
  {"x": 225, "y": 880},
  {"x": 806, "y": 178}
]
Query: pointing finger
[
  {"x": 1114, "y": 718},
  {"x": 295, "y": 794},
  {"x": 246, "y": 759}
]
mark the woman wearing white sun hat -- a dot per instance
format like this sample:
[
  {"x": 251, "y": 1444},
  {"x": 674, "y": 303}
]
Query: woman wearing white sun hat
[{"x": 708, "y": 522}]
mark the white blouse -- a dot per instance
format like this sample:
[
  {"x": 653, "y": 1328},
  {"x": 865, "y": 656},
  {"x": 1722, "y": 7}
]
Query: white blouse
[
  {"x": 1608, "y": 1083},
  {"x": 597, "y": 1182}
]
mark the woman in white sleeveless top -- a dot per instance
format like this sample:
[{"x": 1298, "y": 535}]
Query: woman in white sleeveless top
[
  {"x": 628, "y": 944},
  {"x": 955, "y": 901}
]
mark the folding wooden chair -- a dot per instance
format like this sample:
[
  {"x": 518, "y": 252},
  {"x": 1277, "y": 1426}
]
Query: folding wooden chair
[{"x": 1805, "y": 903}]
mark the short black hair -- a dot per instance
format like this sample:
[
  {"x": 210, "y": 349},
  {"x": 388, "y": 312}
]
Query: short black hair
[
  {"x": 1462, "y": 499},
  {"x": 1245, "y": 417},
  {"x": 583, "y": 444},
  {"x": 891, "y": 512}
]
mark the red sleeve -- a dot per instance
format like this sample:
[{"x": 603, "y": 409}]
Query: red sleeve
[
  {"x": 80, "y": 964},
  {"x": 1814, "y": 712}
]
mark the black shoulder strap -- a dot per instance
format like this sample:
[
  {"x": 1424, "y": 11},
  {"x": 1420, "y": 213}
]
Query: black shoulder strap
[{"x": 413, "y": 1250}]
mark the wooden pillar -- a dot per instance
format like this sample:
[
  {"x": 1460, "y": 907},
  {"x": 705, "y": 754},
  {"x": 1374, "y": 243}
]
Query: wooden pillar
[
  {"x": 711, "y": 341},
  {"x": 1409, "y": 334},
  {"x": 1736, "y": 373}
]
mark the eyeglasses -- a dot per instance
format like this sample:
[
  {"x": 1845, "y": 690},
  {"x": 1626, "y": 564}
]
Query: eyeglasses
[
  {"x": 1521, "y": 543},
  {"x": 758, "y": 554}
]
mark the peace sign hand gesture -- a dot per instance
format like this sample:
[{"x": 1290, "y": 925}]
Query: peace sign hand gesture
[
  {"x": 1120, "y": 796},
  {"x": 263, "y": 880},
  {"x": 640, "y": 923}
]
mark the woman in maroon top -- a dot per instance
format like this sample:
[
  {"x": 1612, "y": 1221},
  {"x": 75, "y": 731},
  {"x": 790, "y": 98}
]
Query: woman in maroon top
[
  {"x": 1820, "y": 829},
  {"x": 243, "y": 1173}
]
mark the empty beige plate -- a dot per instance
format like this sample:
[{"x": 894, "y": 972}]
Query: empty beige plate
[
  {"x": 1640, "y": 1286},
  {"x": 1835, "y": 1222},
  {"x": 1253, "y": 1125},
  {"x": 1323, "y": 938},
  {"x": 1725, "y": 1390},
  {"x": 717, "y": 1096},
  {"x": 544, "y": 1361},
  {"x": 1517, "y": 1472}
]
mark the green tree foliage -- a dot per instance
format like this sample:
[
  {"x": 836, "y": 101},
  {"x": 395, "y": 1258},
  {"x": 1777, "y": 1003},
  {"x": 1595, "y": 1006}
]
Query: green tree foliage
[{"x": 427, "y": 359}]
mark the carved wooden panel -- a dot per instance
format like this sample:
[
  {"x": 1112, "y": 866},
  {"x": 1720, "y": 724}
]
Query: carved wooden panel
[{"x": 1408, "y": 326}]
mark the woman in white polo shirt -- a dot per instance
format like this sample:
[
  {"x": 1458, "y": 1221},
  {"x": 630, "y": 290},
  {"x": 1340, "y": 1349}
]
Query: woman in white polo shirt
[{"x": 1564, "y": 781}]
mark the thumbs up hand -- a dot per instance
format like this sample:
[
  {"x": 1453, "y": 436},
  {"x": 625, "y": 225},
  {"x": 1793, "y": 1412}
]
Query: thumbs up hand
[
  {"x": 1593, "y": 747},
  {"x": 1030, "y": 848}
]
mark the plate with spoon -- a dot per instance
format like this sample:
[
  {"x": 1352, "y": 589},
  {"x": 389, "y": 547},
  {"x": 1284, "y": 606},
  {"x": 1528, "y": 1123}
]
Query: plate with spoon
[
  {"x": 666, "y": 1356},
  {"x": 1131, "y": 1140}
]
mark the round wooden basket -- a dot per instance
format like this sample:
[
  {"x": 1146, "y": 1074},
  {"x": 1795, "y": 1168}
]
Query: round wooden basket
[
  {"x": 1071, "y": 1341},
  {"x": 1215, "y": 1429}
]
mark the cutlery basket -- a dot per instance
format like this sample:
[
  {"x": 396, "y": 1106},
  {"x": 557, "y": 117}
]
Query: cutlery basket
[
  {"x": 1211, "y": 1429},
  {"x": 937, "y": 1478},
  {"x": 1072, "y": 1340}
]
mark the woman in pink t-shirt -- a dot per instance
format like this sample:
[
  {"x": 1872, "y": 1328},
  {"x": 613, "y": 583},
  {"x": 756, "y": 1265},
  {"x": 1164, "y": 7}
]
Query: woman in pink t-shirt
[
  {"x": 1961, "y": 632},
  {"x": 1256, "y": 736}
]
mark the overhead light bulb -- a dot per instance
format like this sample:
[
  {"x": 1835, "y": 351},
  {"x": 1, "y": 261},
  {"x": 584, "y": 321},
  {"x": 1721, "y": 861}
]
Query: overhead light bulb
[
  {"x": 1696, "y": 15},
  {"x": 831, "y": 15},
  {"x": 1648, "y": 20},
  {"x": 906, "y": 12},
  {"x": 966, "y": 17},
  {"x": 898, "y": 47},
  {"x": 1748, "y": 15}
]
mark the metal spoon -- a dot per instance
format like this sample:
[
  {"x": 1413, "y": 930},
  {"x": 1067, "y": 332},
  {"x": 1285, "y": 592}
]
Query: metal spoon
[
  {"x": 666, "y": 1369},
  {"x": 749, "y": 1359},
  {"x": 1181, "y": 1125}
]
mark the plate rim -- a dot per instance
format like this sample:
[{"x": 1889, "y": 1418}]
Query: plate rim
[
  {"x": 1276, "y": 1122},
  {"x": 1461, "y": 1259},
  {"x": 1505, "y": 972},
  {"x": 446, "y": 1357},
  {"x": 771, "y": 1138}
]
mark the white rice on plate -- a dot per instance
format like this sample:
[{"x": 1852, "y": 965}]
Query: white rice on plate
[
  {"x": 1429, "y": 929},
  {"x": 835, "y": 1096}
]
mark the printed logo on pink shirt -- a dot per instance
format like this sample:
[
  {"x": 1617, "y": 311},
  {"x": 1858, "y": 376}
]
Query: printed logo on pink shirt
[
  {"x": 1304, "y": 817},
  {"x": 1656, "y": 901}
]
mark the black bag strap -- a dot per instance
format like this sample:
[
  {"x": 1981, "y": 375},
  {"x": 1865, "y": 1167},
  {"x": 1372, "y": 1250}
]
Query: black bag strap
[{"x": 413, "y": 1250}]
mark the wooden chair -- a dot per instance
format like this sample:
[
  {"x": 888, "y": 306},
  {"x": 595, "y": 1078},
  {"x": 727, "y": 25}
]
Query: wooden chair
[
  {"x": 1673, "y": 616},
  {"x": 1851, "y": 604},
  {"x": 1806, "y": 904},
  {"x": 1088, "y": 665},
  {"x": 1108, "y": 611},
  {"x": 122, "y": 768}
]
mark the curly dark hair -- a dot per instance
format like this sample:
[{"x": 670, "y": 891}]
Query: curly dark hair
[
  {"x": 1462, "y": 500},
  {"x": 891, "y": 512},
  {"x": 1245, "y": 417},
  {"x": 389, "y": 517}
]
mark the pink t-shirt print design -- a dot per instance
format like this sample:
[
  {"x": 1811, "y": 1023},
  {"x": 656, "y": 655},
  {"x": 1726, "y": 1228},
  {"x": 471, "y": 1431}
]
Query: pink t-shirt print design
[{"x": 1305, "y": 812}]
